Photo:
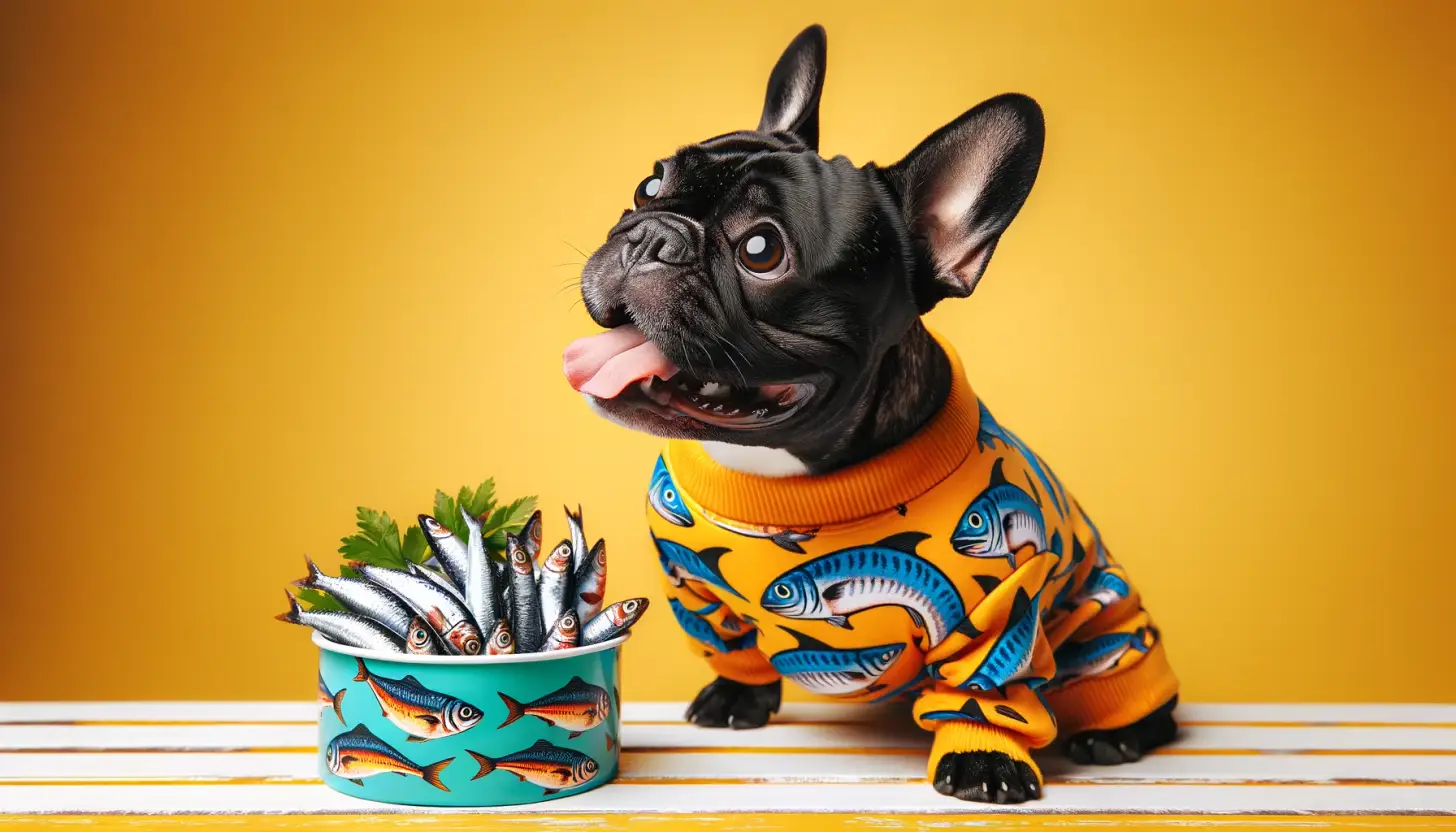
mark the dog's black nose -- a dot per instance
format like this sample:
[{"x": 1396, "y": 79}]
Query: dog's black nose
[{"x": 659, "y": 240}]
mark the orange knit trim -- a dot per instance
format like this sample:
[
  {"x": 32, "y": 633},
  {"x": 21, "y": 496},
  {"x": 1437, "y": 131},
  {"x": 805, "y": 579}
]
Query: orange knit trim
[
  {"x": 964, "y": 735},
  {"x": 1106, "y": 702},
  {"x": 748, "y": 667},
  {"x": 876, "y": 485}
]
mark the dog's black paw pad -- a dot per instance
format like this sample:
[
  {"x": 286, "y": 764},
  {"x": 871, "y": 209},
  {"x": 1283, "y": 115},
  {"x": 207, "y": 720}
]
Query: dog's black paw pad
[
  {"x": 729, "y": 704},
  {"x": 1125, "y": 745},
  {"x": 1105, "y": 748},
  {"x": 985, "y": 777}
]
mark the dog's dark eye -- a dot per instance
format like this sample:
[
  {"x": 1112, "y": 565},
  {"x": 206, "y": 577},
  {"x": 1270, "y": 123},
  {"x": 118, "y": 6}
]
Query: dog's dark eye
[
  {"x": 761, "y": 251},
  {"x": 650, "y": 187}
]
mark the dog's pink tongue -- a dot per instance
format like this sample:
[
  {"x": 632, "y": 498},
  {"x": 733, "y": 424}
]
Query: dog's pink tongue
[{"x": 604, "y": 365}]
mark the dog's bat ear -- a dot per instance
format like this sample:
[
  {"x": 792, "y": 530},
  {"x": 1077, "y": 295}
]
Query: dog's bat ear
[
  {"x": 792, "y": 102},
  {"x": 963, "y": 186}
]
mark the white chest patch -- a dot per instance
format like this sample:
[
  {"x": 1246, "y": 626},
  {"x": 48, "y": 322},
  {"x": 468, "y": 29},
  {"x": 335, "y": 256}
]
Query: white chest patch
[{"x": 752, "y": 459}]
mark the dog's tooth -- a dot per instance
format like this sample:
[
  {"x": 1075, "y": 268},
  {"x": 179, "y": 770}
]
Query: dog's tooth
[{"x": 710, "y": 388}]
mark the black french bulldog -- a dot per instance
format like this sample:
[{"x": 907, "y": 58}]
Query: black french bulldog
[{"x": 794, "y": 284}]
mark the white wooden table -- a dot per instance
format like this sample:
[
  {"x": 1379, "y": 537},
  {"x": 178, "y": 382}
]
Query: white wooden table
[{"x": 145, "y": 764}]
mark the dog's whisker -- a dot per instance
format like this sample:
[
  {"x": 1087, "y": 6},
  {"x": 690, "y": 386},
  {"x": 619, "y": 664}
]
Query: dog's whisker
[
  {"x": 583, "y": 254},
  {"x": 729, "y": 356}
]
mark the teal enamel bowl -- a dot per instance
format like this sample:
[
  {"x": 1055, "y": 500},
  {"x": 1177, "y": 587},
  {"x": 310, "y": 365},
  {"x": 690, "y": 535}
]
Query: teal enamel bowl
[{"x": 468, "y": 731}]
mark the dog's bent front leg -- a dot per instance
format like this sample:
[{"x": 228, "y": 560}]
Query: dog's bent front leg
[
  {"x": 747, "y": 691},
  {"x": 983, "y": 741},
  {"x": 982, "y": 706}
]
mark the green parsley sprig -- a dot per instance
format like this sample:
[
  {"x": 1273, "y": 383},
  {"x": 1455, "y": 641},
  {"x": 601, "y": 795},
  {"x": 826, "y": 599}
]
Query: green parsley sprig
[{"x": 378, "y": 541}]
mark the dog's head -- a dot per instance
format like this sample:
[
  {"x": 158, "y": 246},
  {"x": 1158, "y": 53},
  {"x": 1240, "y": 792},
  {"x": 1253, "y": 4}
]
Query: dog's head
[{"x": 753, "y": 287}]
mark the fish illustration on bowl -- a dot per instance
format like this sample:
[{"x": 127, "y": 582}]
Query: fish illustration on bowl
[
  {"x": 422, "y": 713},
  {"x": 577, "y": 706},
  {"x": 549, "y": 766},
  {"x": 358, "y": 754}
]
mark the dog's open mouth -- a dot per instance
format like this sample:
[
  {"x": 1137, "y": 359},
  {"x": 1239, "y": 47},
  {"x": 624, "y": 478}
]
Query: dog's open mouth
[{"x": 623, "y": 364}]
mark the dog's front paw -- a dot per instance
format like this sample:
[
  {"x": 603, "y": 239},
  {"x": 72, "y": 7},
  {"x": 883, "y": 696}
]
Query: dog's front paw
[
  {"x": 986, "y": 777},
  {"x": 729, "y": 704}
]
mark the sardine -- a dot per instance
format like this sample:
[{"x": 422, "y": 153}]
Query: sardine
[
  {"x": 1098, "y": 655},
  {"x": 665, "y": 498},
  {"x": 830, "y": 671},
  {"x": 449, "y": 618},
  {"x": 530, "y": 534},
  {"x": 438, "y": 578},
  {"x": 422, "y": 713},
  {"x": 783, "y": 537},
  {"x": 1010, "y": 658},
  {"x": 525, "y": 603},
  {"x": 449, "y": 550},
  {"x": 578, "y": 538},
  {"x": 835, "y": 586},
  {"x": 362, "y": 597},
  {"x": 590, "y": 584},
  {"x": 700, "y": 629},
  {"x": 421, "y": 640},
  {"x": 991, "y": 430},
  {"x": 330, "y": 701},
  {"x": 347, "y": 628},
  {"x": 502, "y": 641},
  {"x": 556, "y": 583},
  {"x": 577, "y": 706},
  {"x": 565, "y": 633},
  {"x": 551, "y": 767},
  {"x": 1106, "y": 588},
  {"x": 613, "y": 621},
  {"x": 680, "y": 562},
  {"x": 1001, "y": 520},
  {"x": 359, "y": 754},
  {"x": 479, "y": 578}
]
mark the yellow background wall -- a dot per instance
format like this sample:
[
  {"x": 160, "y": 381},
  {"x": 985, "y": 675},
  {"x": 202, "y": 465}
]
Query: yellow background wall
[{"x": 264, "y": 262}]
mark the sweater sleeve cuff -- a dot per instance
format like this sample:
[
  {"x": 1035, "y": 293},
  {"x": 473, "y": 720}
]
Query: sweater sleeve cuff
[{"x": 748, "y": 667}]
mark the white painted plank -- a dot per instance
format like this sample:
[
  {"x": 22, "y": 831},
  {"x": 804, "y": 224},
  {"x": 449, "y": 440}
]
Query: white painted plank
[
  {"x": 773, "y": 767},
  {"x": 299, "y": 711},
  {"x": 848, "y": 736},
  {"x": 155, "y": 766},
  {"x": 292, "y": 711},
  {"x": 180, "y": 737},
  {"x": 737, "y": 799}
]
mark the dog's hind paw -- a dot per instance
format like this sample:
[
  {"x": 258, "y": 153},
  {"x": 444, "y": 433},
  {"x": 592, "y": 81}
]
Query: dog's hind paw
[
  {"x": 986, "y": 777},
  {"x": 728, "y": 704},
  {"x": 1125, "y": 745}
]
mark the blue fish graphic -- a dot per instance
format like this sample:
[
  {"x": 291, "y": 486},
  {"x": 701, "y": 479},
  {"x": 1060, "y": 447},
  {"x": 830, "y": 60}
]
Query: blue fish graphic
[
  {"x": 827, "y": 671},
  {"x": 1001, "y": 520},
  {"x": 835, "y": 586},
  {"x": 1089, "y": 658},
  {"x": 991, "y": 430},
  {"x": 783, "y": 537},
  {"x": 1010, "y": 658},
  {"x": 678, "y": 561},
  {"x": 664, "y": 497},
  {"x": 703, "y": 631},
  {"x": 1106, "y": 588}
]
